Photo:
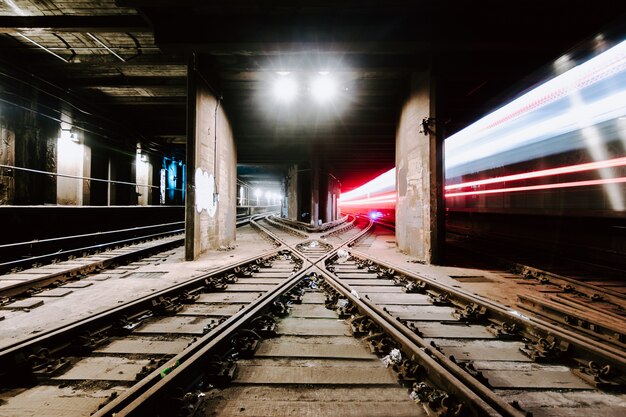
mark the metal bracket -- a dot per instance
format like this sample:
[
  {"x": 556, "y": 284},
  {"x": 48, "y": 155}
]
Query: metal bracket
[{"x": 545, "y": 349}]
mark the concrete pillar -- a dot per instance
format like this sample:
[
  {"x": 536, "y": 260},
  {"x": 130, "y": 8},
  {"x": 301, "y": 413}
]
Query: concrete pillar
[
  {"x": 292, "y": 193},
  {"x": 315, "y": 190},
  {"x": 7, "y": 157},
  {"x": 419, "y": 227},
  {"x": 70, "y": 167},
  {"x": 143, "y": 179},
  {"x": 329, "y": 192},
  {"x": 211, "y": 198}
]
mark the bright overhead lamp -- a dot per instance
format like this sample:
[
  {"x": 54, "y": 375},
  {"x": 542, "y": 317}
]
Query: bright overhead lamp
[
  {"x": 324, "y": 87},
  {"x": 285, "y": 89}
]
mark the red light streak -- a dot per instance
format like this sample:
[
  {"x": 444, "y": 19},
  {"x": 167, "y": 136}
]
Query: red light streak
[
  {"x": 541, "y": 187},
  {"x": 384, "y": 198},
  {"x": 544, "y": 173}
]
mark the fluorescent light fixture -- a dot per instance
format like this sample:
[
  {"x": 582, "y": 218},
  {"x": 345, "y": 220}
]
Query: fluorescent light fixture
[
  {"x": 15, "y": 7},
  {"x": 99, "y": 42},
  {"x": 43, "y": 47},
  {"x": 324, "y": 87},
  {"x": 285, "y": 89}
]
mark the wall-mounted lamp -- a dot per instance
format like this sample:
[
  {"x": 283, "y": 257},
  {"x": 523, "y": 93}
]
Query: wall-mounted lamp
[
  {"x": 69, "y": 134},
  {"x": 427, "y": 126}
]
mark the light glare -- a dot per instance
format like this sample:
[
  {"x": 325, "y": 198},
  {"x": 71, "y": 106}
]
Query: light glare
[
  {"x": 285, "y": 89},
  {"x": 324, "y": 88}
]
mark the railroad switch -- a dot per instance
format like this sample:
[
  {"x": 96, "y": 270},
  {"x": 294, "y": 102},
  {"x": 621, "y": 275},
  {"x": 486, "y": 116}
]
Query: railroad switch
[
  {"x": 149, "y": 368},
  {"x": 88, "y": 341},
  {"x": 380, "y": 343},
  {"x": 407, "y": 372},
  {"x": 345, "y": 309},
  {"x": 439, "y": 299},
  {"x": 503, "y": 330},
  {"x": 43, "y": 366},
  {"x": 415, "y": 287},
  {"x": 362, "y": 325},
  {"x": 545, "y": 349},
  {"x": 125, "y": 325},
  {"x": 245, "y": 342},
  {"x": 265, "y": 326},
  {"x": 212, "y": 284},
  {"x": 241, "y": 273},
  {"x": 468, "y": 366},
  {"x": 386, "y": 274},
  {"x": 437, "y": 402},
  {"x": 165, "y": 306},
  {"x": 471, "y": 313},
  {"x": 232, "y": 278},
  {"x": 602, "y": 377},
  {"x": 280, "y": 309},
  {"x": 411, "y": 326},
  {"x": 265, "y": 263},
  {"x": 220, "y": 373},
  {"x": 183, "y": 403},
  {"x": 188, "y": 298}
]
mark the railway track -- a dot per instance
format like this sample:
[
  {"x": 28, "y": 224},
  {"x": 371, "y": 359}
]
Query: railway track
[
  {"x": 584, "y": 301},
  {"x": 509, "y": 357},
  {"x": 30, "y": 281},
  {"x": 332, "y": 332}
]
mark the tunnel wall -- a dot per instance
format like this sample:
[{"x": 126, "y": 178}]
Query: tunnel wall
[
  {"x": 211, "y": 172},
  {"x": 53, "y": 152}
]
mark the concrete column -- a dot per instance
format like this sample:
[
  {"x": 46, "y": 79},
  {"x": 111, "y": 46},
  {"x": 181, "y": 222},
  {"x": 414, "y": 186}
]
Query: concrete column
[
  {"x": 332, "y": 190},
  {"x": 211, "y": 170},
  {"x": 143, "y": 179},
  {"x": 292, "y": 193},
  {"x": 7, "y": 157},
  {"x": 419, "y": 174},
  {"x": 315, "y": 190},
  {"x": 70, "y": 161}
]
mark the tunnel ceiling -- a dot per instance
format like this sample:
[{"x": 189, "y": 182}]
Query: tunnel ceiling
[{"x": 476, "y": 50}]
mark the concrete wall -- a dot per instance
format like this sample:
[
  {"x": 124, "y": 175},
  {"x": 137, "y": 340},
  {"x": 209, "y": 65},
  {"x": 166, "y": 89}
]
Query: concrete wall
[
  {"x": 416, "y": 174},
  {"x": 211, "y": 172}
]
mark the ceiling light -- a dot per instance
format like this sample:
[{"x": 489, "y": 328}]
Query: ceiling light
[
  {"x": 285, "y": 89},
  {"x": 283, "y": 72},
  {"x": 324, "y": 88}
]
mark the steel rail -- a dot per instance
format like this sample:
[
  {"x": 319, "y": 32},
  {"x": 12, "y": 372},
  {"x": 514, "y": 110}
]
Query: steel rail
[
  {"x": 20, "y": 287},
  {"x": 580, "y": 343},
  {"x": 59, "y": 334},
  {"x": 95, "y": 234},
  {"x": 450, "y": 376},
  {"x": 69, "y": 252},
  {"x": 141, "y": 397},
  {"x": 138, "y": 400}
]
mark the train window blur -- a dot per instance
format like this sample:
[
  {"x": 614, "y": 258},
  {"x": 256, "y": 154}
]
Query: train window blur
[{"x": 558, "y": 148}]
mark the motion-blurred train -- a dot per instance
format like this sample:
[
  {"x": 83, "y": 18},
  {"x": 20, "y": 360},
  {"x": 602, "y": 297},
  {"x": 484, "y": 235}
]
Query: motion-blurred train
[{"x": 550, "y": 165}]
